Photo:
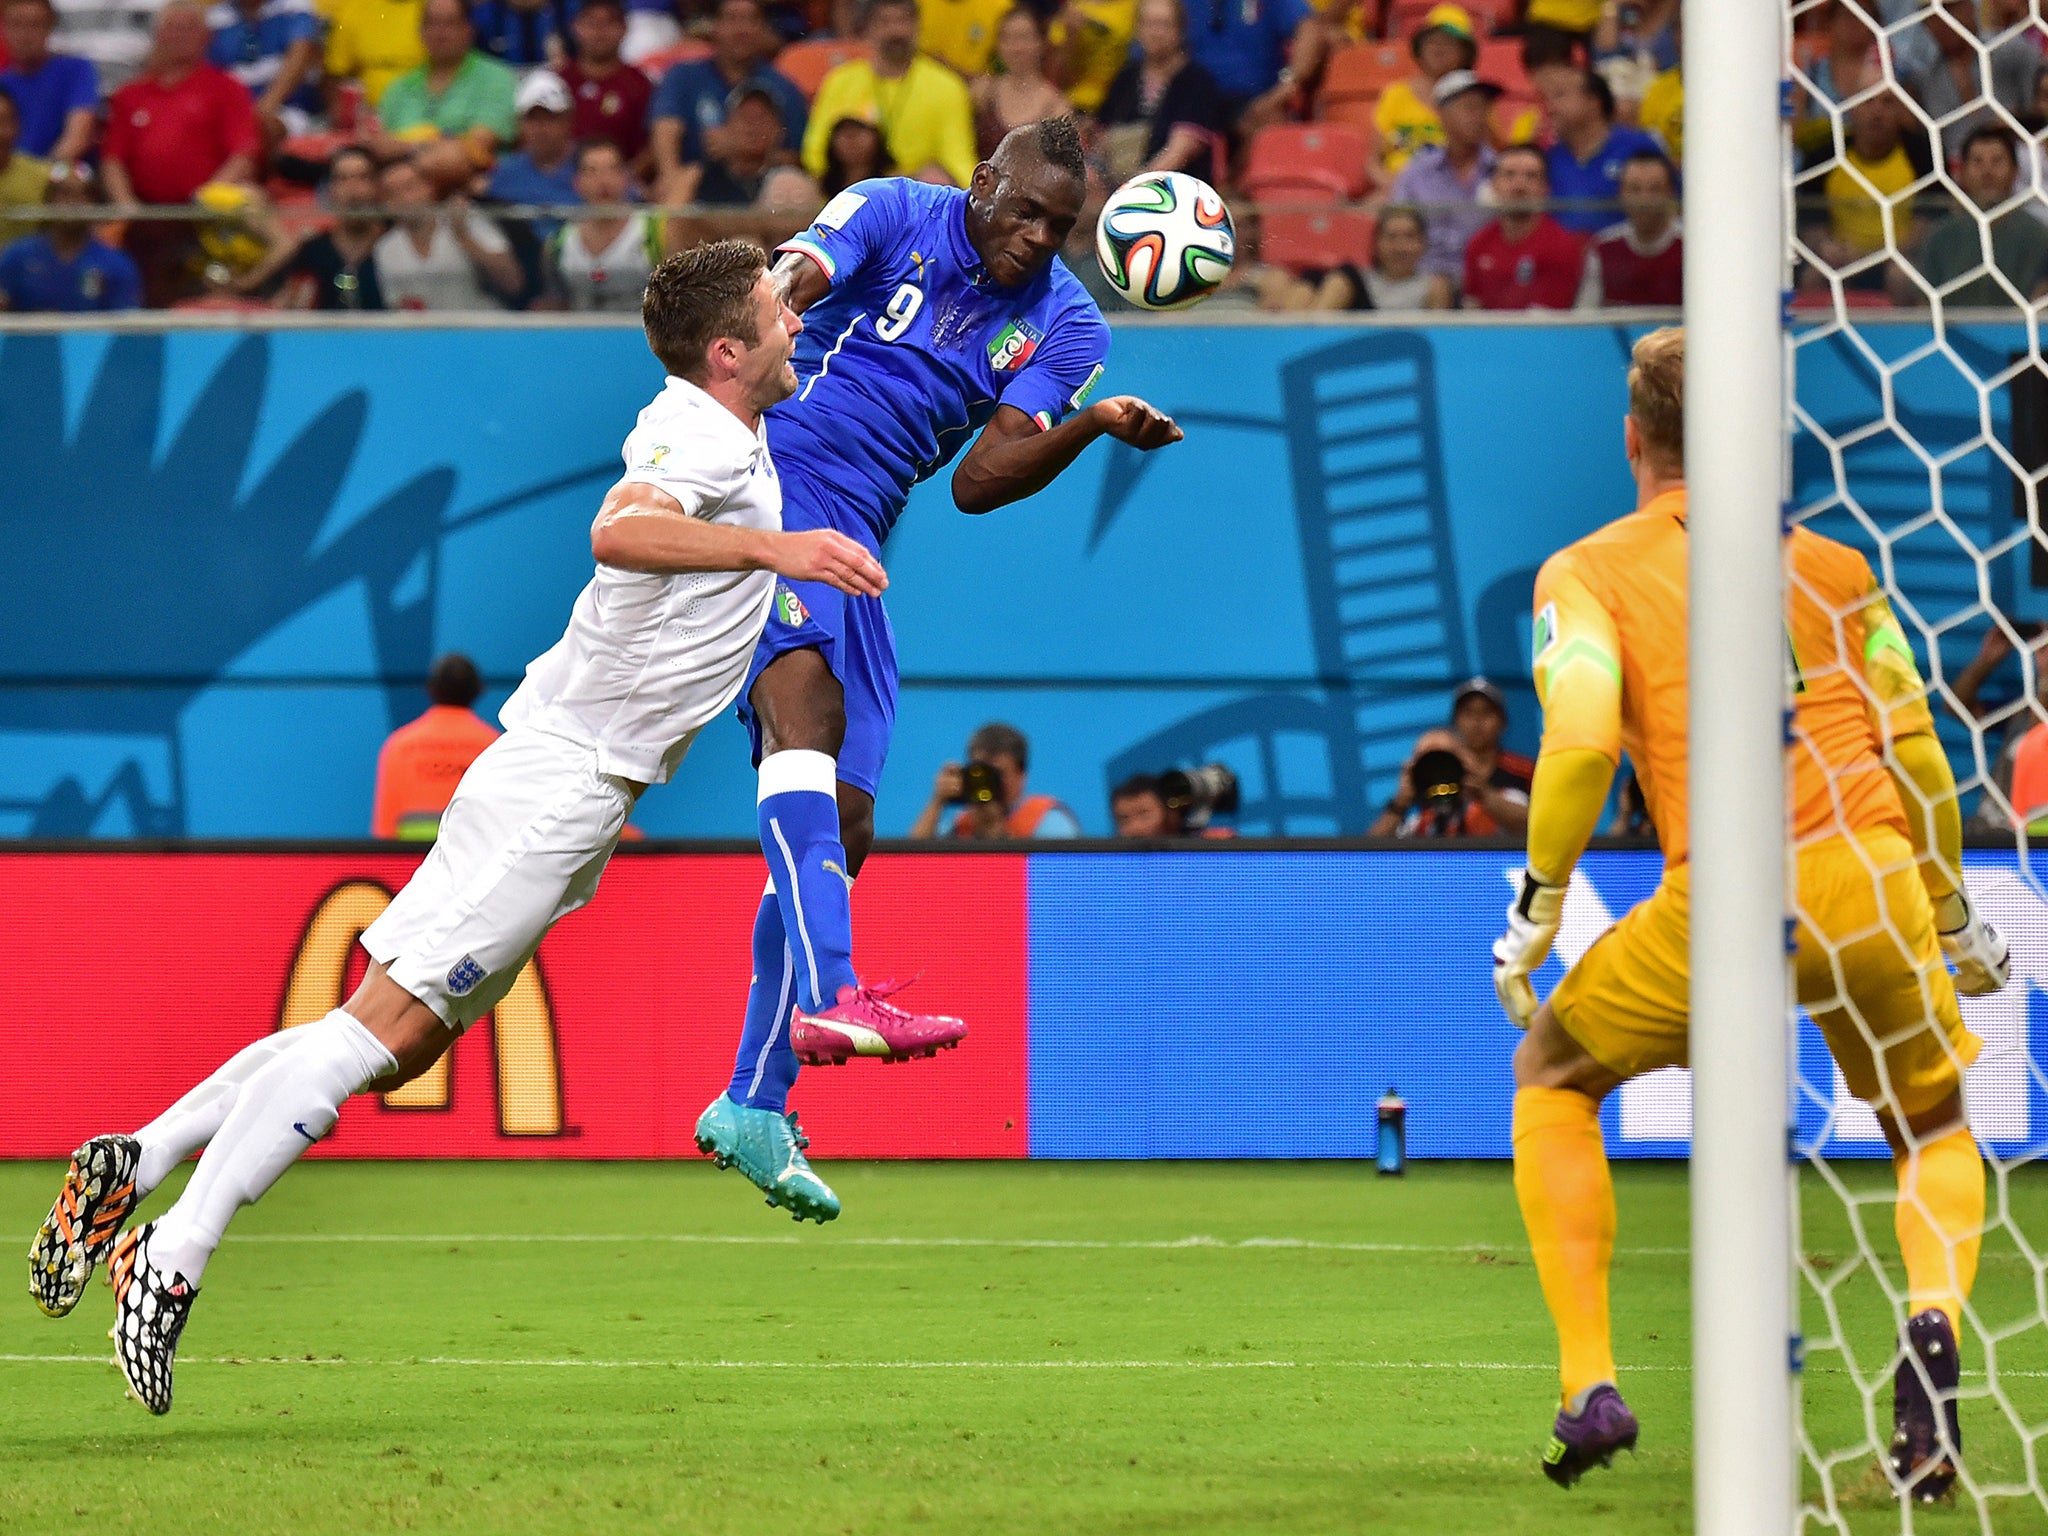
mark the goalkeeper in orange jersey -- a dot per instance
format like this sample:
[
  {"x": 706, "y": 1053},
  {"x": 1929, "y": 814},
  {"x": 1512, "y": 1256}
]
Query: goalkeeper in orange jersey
[{"x": 1880, "y": 898}]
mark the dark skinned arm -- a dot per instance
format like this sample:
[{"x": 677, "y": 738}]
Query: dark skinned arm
[
  {"x": 803, "y": 281},
  {"x": 1013, "y": 459}
]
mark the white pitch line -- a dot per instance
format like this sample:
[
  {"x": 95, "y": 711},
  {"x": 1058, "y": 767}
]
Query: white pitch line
[
  {"x": 1251, "y": 1244},
  {"x": 467, "y": 1362}
]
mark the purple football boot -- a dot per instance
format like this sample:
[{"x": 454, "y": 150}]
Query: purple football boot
[
  {"x": 1589, "y": 1438},
  {"x": 1926, "y": 1443}
]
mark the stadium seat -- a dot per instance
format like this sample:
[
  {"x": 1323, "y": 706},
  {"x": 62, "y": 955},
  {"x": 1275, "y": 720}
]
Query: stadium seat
[
  {"x": 1404, "y": 16},
  {"x": 1353, "y": 112},
  {"x": 688, "y": 51},
  {"x": 1500, "y": 61},
  {"x": 808, "y": 63},
  {"x": 1808, "y": 300},
  {"x": 1300, "y": 161},
  {"x": 1315, "y": 240},
  {"x": 1360, "y": 71}
]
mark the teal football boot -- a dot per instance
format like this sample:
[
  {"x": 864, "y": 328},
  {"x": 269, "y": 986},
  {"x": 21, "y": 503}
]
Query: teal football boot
[{"x": 769, "y": 1149}]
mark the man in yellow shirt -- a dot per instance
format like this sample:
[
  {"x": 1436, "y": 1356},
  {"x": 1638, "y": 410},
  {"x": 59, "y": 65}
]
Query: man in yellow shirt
[
  {"x": 1093, "y": 39},
  {"x": 374, "y": 41},
  {"x": 961, "y": 33},
  {"x": 1880, "y": 899},
  {"x": 1406, "y": 118},
  {"x": 922, "y": 107},
  {"x": 1874, "y": 159}
]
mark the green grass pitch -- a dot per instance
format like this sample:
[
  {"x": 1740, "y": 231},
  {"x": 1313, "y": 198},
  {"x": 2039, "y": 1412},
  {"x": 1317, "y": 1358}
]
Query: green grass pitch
[{"x": 971, "y": 1348}]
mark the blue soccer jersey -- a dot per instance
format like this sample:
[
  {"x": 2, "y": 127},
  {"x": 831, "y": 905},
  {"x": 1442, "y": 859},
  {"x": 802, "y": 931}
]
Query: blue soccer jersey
[{"x": 908, "y": 355}]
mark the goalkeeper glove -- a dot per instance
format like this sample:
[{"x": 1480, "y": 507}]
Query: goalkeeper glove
[
  {"x": 1973, "y": 946},
  {"x": 1532, "y": 926}
]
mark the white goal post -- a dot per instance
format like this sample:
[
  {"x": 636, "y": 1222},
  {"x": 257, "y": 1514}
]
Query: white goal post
[{"x": 1744, "y": 1376}]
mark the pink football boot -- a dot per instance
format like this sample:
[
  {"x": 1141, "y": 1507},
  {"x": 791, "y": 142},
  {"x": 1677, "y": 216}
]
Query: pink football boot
[{"x": 865, "y": 1023}]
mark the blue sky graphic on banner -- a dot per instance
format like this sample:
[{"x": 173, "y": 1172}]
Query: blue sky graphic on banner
[{"x": 284, "y": 527}]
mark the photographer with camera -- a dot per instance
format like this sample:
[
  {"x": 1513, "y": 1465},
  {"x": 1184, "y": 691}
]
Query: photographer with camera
[
  {"x": 989, "y": 790},
  {"x": 1458, "y": 782},
  {"x": 1181, "y": 802}
]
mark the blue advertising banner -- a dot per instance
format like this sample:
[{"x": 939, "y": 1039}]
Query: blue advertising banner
[
  {"x": 1258, "y": 1004},
  {"x": 231, "y": 556}
]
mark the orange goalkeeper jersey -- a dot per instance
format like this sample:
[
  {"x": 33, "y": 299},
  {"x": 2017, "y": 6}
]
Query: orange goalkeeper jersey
[{"x": 1610, "y": 666}]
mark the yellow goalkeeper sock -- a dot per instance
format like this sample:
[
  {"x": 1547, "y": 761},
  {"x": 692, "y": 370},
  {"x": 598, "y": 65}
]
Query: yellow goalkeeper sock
[
  {"x": 1567, "y": 1199},
  {"x": 1940, "y": 1221}
]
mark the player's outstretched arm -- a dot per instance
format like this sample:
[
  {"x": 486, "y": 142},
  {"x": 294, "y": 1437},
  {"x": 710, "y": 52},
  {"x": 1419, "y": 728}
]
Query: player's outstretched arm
[
  {"x": 802, "y": 281},
  {"x": 1013, "y": 458},
  {"x": 643, "y": 528}
]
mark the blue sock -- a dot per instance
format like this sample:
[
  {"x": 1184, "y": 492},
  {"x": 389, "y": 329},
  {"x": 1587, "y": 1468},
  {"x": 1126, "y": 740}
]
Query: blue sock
[
  {"x": 799, "y": 818},
  {"x": 766, "y": 1067}
]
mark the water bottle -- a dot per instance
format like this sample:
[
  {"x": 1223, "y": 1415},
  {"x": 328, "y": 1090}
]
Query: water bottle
[{"x": 1393, "y": 1144}]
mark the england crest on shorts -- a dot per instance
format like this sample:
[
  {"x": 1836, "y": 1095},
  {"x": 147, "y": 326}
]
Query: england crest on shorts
[{"x": 462, "y": 980}]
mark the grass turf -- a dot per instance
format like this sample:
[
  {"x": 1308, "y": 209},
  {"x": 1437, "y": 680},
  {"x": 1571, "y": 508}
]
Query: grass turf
[{"x": 1101, "y": 1348}]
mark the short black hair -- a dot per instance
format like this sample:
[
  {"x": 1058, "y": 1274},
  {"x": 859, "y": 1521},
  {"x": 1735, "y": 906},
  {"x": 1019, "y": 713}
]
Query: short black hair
[
  {"x": 1596, "y": 86},
  {"x": 697, "y": 296},
  {"x": 999, "y": 740},
  {"x": 1662, "y": 161},
  {"x": 1545, "y": 46},
  {"x": 610, "y": 5},
  {"x": 454, "y": 680},
  {"x": 1138, "y": 784},
  {"x": 585, "y": 146},
  {"x": 1530, "y": 150},
  {"x": 1059, "y": 142},
  {"x": 1992, "y": 133}
]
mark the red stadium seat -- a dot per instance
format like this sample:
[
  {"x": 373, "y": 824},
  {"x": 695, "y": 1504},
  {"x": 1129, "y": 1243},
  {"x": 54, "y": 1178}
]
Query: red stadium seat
[
  {"x": 1404, "y": 17},
  {"x": 1301, "y": 161},
  {"x": 1500, "y": 62},
  {"x": 1360, "y": 71},
  {"x": 1315, "y": 240},
  {"x": 688, "y": 51},
  {"x": 1808, "y": 300},
  {"x": 808, "y": 63}
]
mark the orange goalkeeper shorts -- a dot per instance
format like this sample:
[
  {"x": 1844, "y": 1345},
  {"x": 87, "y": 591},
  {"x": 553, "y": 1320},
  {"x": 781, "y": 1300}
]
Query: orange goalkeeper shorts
[{"x": 1869, "y": 971}]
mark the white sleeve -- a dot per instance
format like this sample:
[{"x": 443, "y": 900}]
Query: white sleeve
[
  {"x": 688, "y": 465},
  {"x": 486, "y": 233}
]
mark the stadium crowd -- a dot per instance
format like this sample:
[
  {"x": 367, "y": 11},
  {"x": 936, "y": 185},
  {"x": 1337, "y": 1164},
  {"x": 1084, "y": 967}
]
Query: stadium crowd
[{"x": 432, "y": 154}]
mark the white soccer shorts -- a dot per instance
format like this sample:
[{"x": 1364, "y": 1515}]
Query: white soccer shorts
[{"x": 522, "y": 845}]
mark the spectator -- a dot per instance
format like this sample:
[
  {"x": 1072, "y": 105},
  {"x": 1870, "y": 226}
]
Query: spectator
[
  {"x": 1406, "y": 117},
  {"x": 1094, "y": 42},
  {"x": 732, "y": 176},
  {"x": 526, "y": 34},
  {"x": 990, "y": 791},
  {"x": 1873, "y": 158},
  {"x": 1848, "y": 64},
  {"x": 171, "y": 130},
  {"x": 854, "y": 151},
  {"x": 1481, "y": 791},
  {"x": 2029, "y": 792},
  {"x": 961, "y": 34},
  {"x": 454, "y": 110},
  {"x": 2019, "y": 243},
  {"x": 612, "y": 97},
  {"x": 1523, "y": 259},
  {"x": 1020, "y": 94},
  {"x": 337, "y": 268},
  {"x": 689, "y": 109},
  {"x": 1449, "y": 178},
  {"x": 273, "y": 48},
  {"x": 1259, "y": 51},
  {"x": 1138, "y": 808},
  {"x": 1585, "y": 163},
  {"x": 57, "y": 96},
  {"x": 440, "y": 256},
  {"x": 1636, "y": 41},
  {"x": 370, "y": 43},
  {"x": 420, "y": 763},
  {"x": 1163, "y": 112},
  {"x": 930, "y": 120},
  {"x": 23, "y": 178},
  {"x": 65, "y": 267},
  {"x": 1662, "y": 113},
  {"x": 1565, "y": 24},
  {"x": 1956, "y": 76},
  {"x": 1396, "y": 281},
  {"x": 542, "y": 169},
  {"x": 601, "y": 262},
  {"x": 1641, "y": 260}
]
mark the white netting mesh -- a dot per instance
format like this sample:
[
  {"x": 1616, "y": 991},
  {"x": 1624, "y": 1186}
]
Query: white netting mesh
[{"x": 1920, "y": 429}]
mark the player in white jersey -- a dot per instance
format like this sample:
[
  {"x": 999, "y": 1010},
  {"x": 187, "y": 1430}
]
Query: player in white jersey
[{"x": 688, "y": 544}]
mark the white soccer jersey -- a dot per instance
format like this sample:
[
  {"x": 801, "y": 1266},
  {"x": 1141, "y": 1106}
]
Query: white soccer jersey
[{"x": 648, "y": 660}]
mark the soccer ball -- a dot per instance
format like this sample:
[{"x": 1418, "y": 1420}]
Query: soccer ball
[{"x": 1165, "y": 240}]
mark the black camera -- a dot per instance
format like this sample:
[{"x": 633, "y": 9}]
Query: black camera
[
  {"x": 1199, "y": 794},
  {"x": 1439, "y": 779},
  {"x": 980, "y": 784}
]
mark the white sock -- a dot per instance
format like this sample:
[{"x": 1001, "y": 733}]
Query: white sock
[
  {"x": 286, "y": 1105},
  {"x": 191, "y": 1123}
]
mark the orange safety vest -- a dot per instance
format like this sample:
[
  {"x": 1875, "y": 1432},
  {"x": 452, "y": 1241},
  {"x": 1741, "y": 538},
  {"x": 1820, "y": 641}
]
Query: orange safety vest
[
  {"x": 419, "y": 766},
  {"x": 2030, "y": 778},
  {"x": 1021, "y": 822}
]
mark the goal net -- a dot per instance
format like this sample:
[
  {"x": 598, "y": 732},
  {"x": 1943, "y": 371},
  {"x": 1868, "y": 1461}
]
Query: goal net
[{"x": 1919, "y": 434}]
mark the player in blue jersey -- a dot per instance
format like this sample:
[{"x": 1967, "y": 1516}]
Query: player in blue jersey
[{"x": 931, "y": 315}]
